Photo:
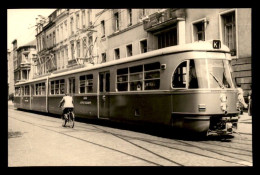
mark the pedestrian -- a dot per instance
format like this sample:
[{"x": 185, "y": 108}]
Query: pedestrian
[{"x": 241, "y": 99}]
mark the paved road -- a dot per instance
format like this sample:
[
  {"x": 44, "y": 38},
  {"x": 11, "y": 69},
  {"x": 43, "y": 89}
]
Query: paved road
[{"x": 40, "y": 140}]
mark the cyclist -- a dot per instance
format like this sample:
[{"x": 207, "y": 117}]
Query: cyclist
[{"x": 66, "y": 103}]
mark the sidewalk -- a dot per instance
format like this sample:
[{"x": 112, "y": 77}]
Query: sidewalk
[{"x": 245, "y": 124}]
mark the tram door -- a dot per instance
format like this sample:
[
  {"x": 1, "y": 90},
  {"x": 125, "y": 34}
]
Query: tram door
[{"x": 104, "y": 98}]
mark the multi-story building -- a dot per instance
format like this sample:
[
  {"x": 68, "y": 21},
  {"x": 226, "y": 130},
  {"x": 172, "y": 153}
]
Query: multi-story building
[
  {"x": 22, "y": 60},
  {"x": 45, "y": 61},
  {"x": 10, "y": 72},
  {"x": 101, "y": 35}
]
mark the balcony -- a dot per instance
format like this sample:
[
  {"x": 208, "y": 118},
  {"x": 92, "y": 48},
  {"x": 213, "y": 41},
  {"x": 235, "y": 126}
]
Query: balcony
[
  {"x": 72, "y": 62},
  {"x": 25, "y": 65},
  {"x": 159, "y": 20}
]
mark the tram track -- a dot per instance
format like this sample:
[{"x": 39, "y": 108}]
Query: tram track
[
  {"x": 123, "y": 137},
  {"x": 89, "y": 142},
  {"x": 184, "y": 150}
]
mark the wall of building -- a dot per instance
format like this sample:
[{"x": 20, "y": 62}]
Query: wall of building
[{"x": 10, "y": 72}]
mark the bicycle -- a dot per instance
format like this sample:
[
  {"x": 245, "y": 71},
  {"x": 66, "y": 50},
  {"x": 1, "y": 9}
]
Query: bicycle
[{"x": 69, "y": 118}]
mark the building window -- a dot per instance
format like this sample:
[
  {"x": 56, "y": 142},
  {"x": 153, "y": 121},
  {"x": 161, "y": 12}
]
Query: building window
[
  {"x": 143, "y": 46},
  {"x": 51, "y": 42},
  {"x": 78, "y": 49},
  {"x": 89, "y": 17},
  {"x": 65, "y": 29},
  {"x": 104, "y": 57},
  {"x": 167, "y": 38},
  {"x": 86, "y": 84},
  {"x": 61, "y": 31},
  {"x": 77, "y": 21},
  {"x": 57, "y": 87},
  {"x": 229, "y": 31},
  {"x": 90, "y": 45},
  {"x": 129, "y": 51},
  {"x": 199, "y": 31},
  {"x": 47, "y": 40},
  {"x": 84, "y": 41},
  {"x": 103, "y": 28},
  {"x": 71, "y": 26},
  {"x": 116, "y": 19},
  {"x": 83, "y": 19},
  {"x": 117, "y": 54},
  {"x": 58, "y": 60},
  {"x": 66, "y": 55},
  {"x": 129, "y": 17},
  {"x": 54, "y": 40},
  {"x": 62, "y": 58},
  {"x": 58, "y": 36},
  {"x": 72, "y": 51}
]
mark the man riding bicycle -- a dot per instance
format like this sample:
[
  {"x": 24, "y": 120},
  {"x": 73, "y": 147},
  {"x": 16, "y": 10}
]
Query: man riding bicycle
[{"x": 66, "y": 103}]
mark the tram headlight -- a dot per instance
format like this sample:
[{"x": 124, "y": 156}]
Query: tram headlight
[
  {"x": 223, "y": 98},
  {"x": 223, "y": 104}
]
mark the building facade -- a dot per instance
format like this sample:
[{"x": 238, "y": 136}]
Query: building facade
[
  {"x": 10, "y": 72},
  {"x": 22, "y": 60},
  {"x": 78, "y": 37}
]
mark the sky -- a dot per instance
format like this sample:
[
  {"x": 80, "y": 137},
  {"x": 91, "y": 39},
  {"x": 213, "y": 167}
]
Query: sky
[{"x": 21, "y": 24}]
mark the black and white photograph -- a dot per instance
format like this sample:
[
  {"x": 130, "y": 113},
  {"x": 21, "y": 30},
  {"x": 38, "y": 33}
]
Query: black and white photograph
[{"x": 129, "y": 87}]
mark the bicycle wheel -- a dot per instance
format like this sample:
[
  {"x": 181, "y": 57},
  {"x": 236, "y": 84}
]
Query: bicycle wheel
[
  {"x": 64, "y": 121},
  {"x": 72, "y": 120}
]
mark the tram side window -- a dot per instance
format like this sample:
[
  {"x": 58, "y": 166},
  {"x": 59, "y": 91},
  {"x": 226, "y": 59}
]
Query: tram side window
[
  {"x": 136, "y": 77},
  {"x": 57, "y": 87},
  {"x": 26, "y": 90},
  {"x": 122, "y": 79},
  {"x": 17, "y": 91},
  {"x": 193, "y": 80},
  {"x": 62, "y": 86},
  {"x": 40, "y": 89},
  {"x": 86, "y": 83},
  {"x": 179, "y": 80},
  {"x": 22, "y": 90},
  {"x": 52, "y": 87},
  {"x": 152, "y": 76}
]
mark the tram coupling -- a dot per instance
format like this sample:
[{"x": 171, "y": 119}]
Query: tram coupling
[{"x": 223, "y": 125}]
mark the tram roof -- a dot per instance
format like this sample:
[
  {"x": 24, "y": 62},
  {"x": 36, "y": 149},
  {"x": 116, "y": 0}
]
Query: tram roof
[{"x": 206, "y": 46}]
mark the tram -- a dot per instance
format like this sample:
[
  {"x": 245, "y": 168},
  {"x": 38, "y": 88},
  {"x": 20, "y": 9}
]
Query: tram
[{"x": 185, "y": 86}]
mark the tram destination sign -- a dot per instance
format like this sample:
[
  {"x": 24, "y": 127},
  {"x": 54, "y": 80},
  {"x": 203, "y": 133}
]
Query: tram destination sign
[{"x": 216, "y": 44}]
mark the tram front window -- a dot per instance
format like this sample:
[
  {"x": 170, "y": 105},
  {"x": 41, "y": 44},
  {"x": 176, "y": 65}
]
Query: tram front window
[
  {"x": 219, "y": 74},
  {"x": 197, "y": 72},
  {"x": 202, "y": 73}
]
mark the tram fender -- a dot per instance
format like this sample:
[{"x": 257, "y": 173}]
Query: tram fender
[{"x": 191, "y": 123}]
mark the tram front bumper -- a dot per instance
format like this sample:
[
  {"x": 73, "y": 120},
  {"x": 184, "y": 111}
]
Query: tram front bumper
[{"x": 211, "y": 124}]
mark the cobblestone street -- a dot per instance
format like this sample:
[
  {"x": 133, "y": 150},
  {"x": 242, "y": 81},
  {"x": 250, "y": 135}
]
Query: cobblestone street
[{"x": 40, "y": 140}]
